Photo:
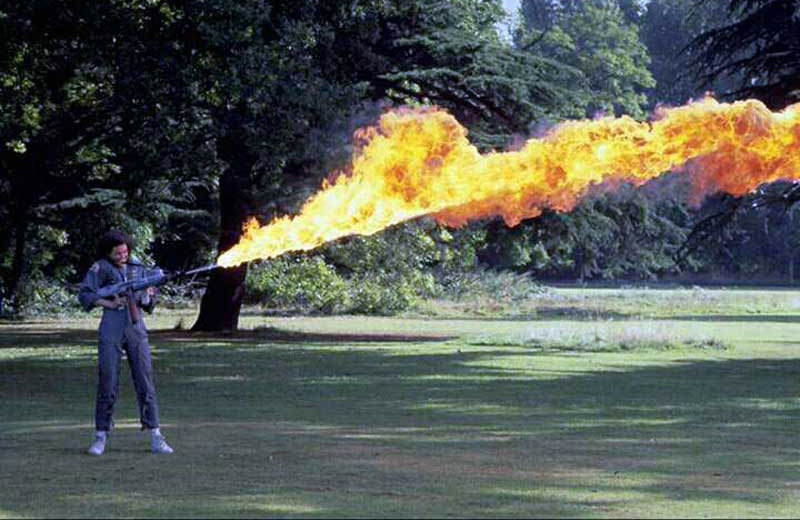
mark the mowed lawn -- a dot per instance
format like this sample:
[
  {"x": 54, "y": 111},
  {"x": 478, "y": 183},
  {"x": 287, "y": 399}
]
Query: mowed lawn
[{"x": 581, "y": 403}]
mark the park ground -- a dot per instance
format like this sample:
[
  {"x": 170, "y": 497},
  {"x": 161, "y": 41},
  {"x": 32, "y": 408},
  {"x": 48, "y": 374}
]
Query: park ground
[{"x": 578, "y": 403}]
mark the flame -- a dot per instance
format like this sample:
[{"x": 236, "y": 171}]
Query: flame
[{"x": 420, "y": 162}]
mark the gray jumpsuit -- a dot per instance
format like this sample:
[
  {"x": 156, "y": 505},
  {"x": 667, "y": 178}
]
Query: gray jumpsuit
[{"x": 117, "y": 332}]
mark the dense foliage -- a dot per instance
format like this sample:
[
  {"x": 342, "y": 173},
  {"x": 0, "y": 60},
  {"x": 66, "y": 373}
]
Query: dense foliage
[{"x": 758, "y": 45}]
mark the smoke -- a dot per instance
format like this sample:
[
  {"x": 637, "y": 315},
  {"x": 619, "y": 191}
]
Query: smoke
[{"x": 333, "y": 146}]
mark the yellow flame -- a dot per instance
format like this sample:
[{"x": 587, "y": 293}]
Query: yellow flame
[{"x": 420, "y": 162}]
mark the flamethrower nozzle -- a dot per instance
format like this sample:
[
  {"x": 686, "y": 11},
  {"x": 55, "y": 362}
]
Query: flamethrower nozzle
[{"x": 198, "y": 270}]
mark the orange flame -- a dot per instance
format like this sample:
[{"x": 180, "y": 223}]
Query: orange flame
[{"x": 419, "y": 162}]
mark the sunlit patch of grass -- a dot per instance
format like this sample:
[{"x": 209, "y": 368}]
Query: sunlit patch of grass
[
  {"x": 770, "y": 404},
  {"x": 607, "y": 493},
  {"x": 642, "y": 301},
  {"x": 6, "y": 514},
  {"x": 216, "y": 379},
  {"x": 624, "y": 336},
  {"x": 268, "y": 505},
  {"x": 46, "y": 353},
  {"x": 461, "y": 407},
  {"x": 243, "y": 504}
]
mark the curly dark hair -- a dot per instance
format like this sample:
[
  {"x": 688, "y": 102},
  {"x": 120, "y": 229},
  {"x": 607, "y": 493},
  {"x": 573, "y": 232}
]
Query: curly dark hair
[{"x": 112, "y": 239}]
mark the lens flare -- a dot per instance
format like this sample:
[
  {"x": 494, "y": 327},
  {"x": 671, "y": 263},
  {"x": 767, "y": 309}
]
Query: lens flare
[{"x": 418, "y": 162}]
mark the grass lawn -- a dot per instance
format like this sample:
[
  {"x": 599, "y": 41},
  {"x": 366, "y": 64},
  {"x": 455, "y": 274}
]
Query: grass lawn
[{"x": 581, "y": 403}]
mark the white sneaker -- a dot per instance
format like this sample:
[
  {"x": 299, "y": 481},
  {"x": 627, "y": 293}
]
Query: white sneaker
[
  {"x": 98, "y": 445},
  {"x": 159, "y": 445}
]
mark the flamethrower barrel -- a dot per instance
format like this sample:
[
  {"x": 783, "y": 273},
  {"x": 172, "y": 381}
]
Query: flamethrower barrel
[{"x": 198, "y": 270}]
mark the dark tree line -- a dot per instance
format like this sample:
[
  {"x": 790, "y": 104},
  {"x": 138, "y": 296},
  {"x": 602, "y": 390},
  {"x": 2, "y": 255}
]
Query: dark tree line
[{"x": 178, "y": 121}]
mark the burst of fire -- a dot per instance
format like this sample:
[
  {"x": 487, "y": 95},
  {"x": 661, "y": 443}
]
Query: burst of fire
[{"x": 419, "y": 162}]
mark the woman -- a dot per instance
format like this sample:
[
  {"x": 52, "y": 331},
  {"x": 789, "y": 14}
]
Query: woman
[{"x": 121, "y": 328}]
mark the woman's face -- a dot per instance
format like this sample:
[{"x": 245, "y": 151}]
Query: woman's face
[{"x": 119, "y": 255}]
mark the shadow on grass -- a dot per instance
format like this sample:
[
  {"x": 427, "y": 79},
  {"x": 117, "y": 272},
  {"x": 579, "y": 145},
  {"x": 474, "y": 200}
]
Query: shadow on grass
[
  {"x": 60, "y": 337},
  {"x": 581, "y": 313},
  {"x": 270, "y": 423},
  {"x": 274, "y": 334},
  {"x": 30, "y": 337}
]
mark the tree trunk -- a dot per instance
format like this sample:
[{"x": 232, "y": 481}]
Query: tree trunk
[
  {"x": 580, "y": 273},
  {"x": 12, "y": 295},
  {"x": 222, "y": 301}
]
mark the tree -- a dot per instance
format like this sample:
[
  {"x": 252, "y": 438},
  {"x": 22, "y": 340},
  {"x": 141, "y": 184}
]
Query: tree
[
  {"x": 667, "y": 27},
  {"x": 600, "y": 237},
  {"x": 446, "y": 53},
  {"x": 79, "y": 132},
  {"x": 756, "y": 50},
  {"x": 450, "y": 54},
  {"x": 596, "y": 39},
  {"x": 754, "y": 238},
  {"x": 759, "y": 47},
  {"x": 627, "y": 232},
  {"x": 237, "y": 95},
  {"x": 256, "y": 74}
]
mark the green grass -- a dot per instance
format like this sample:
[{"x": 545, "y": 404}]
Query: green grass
[
  {"x": 646, "y": 302},
  {"x": 641, "y": 404}
]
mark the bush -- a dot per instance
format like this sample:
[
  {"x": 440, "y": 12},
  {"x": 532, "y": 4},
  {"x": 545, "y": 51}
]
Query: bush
[
  {"x": 308, "y": 284},
  {"x": 386, "y": 273},
  {"x": 501, "y": 286},
  {"x": 299, "y": 283},
  {"x": 180, "y": 294},
  {"x": 46, "y": 298},
  {"x": 383, "y": 294}
]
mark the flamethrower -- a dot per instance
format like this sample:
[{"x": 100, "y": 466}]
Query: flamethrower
[{"x": 155, "y": 279}]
